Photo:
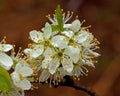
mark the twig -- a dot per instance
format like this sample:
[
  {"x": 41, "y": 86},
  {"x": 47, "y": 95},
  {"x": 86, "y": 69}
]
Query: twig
[{"x": 70, "y": 83}]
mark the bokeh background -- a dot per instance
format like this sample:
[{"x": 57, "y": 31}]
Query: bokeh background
[{"x": 18, "y": 17}]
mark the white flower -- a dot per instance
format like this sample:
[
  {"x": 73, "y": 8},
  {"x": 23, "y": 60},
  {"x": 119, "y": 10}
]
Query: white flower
[
  {"x": 53, "y": 59},
  {"x": 5, "y": 60},
  {"x": 40, "y": 40},
  {"x": 34, "y": 52},
  {"x": 19, "y": 76}
]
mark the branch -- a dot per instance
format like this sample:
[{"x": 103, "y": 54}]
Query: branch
[{"x": 70, "y": 83}]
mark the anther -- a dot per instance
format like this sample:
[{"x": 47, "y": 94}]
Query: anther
[{"x": 76, "y": 17}]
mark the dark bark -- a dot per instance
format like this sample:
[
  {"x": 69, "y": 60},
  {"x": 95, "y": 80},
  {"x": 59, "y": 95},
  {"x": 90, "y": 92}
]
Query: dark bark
[{"x": 69, "y": 82}]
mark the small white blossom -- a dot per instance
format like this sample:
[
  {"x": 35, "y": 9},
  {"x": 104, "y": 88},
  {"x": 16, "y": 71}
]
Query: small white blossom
[
  {"x": 53, "y": 59},
  {"x": 40, "y": 40},
  {"x": 19, "y": 76},
  {"x": 5, "y": 60}
]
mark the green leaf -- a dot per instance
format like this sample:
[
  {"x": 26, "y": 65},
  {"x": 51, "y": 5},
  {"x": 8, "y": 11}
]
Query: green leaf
[
  {"x": 5, "y": 80},
  {"x": 59, "y": 17},
  {"x": 54, "y": 28}
]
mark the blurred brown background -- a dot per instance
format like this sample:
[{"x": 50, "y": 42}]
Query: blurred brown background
[{"x": 18, "y": 17}]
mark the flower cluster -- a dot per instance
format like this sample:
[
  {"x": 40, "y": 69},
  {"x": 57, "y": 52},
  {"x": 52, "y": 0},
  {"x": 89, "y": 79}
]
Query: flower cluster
[
  {"x": 59, "y": 49},
  {"x": 15, "y": 82},
  {"x": 62, "y": 48}
]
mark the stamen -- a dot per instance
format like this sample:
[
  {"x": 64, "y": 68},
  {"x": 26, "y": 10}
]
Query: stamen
[
  {"x": 86, "y": 27},
  {"x": 68, "y": 16},
  {"x": 3, "y": 40},
  {"x": 34, "y": 87},
  {"x": 21, "y": 77},
  {"x": 76, "y": 17}
]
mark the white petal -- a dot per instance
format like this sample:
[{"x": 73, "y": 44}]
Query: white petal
[
  {"x": 68, "y": 33},
  {"x": 24, "y": 84},
  {"x": 81, "y": 37},
  {"x": 76, "y": 25},
  {"x": 67, "y": 64},
  {"x": 37, "y": 51},
  {"x": 25, "y": 71},
  {"x": 5, "y": 47},
  {"x": 54, "y": 64},
  {"x": 48, "y": 52},
  {"x": 20, "y": 64},
  {"x": 5, "y": 61},
  {"x": 46, "y": 62},
  {"x": 47, "y": 31},
  {"x": 64, "y": 72},
  {"x": 44, "y": 75},
  {"x": 59, "y": 41},
  {"x": 88, "y": 43},
  {"x": 15, "y": 78},
  {"x": 36, "y": 36},
  {"x": 67, "y": 25},
  {"x": 27, "y": 51},
  {"x": 73, "y": 53}
]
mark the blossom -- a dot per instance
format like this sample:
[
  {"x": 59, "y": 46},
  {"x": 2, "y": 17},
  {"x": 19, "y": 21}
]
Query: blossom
[
  {"x": 5, "y": 60},
  {"x": 53, "y": 59},
  {"x": 19, "y": 76},
  {"x": 64, "y": 49},
  {"x": 40, "y": 40},
  {"x": 58, "y": 63}
]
